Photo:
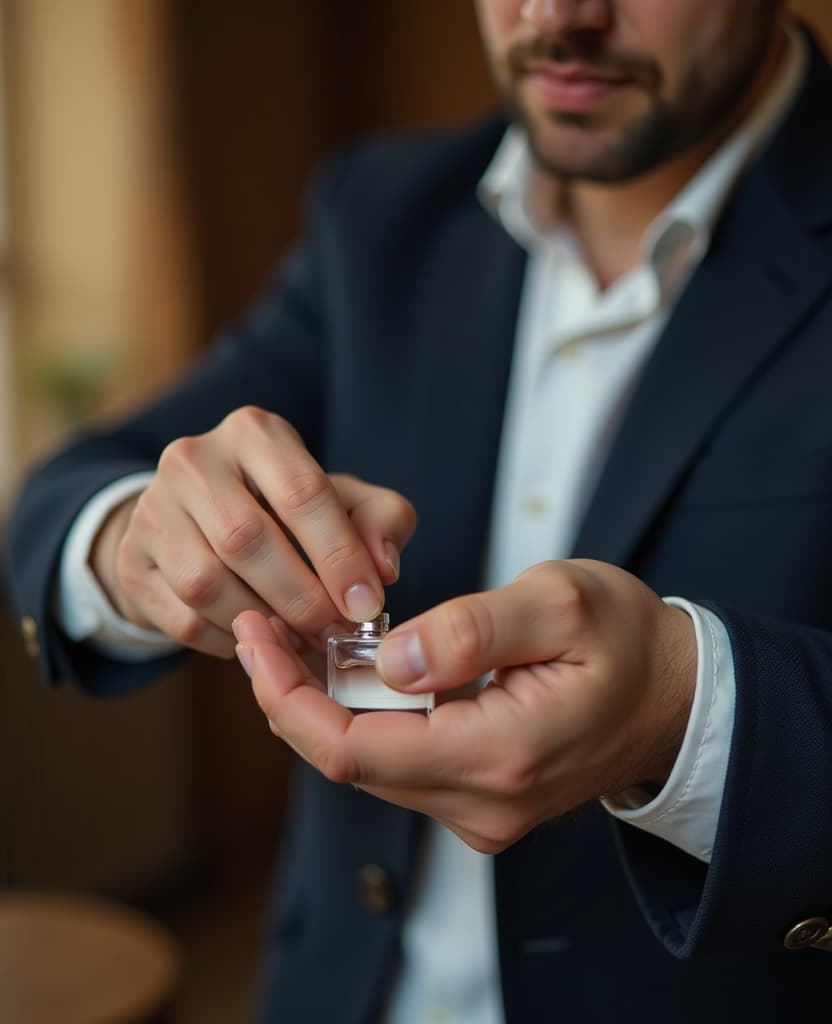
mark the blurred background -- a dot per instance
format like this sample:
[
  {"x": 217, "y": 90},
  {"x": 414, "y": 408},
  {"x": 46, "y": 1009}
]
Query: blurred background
[{"x": 152, "y": 158}]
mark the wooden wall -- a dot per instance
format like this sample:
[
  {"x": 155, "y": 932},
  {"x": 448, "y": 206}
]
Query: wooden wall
[{"x": 267, "y": 88}]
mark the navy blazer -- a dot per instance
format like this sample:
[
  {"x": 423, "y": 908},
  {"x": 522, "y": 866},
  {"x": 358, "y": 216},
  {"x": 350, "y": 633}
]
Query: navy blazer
[{"x": 386, "y": 339}]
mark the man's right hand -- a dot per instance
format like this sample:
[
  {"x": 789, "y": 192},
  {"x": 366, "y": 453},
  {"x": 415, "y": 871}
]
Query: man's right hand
[{"x": 219, "y": 529}]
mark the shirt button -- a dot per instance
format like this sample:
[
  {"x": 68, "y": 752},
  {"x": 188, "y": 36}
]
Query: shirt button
[
  {"x": 375, "y": 889},
  {"x": 536, "y": 507}
]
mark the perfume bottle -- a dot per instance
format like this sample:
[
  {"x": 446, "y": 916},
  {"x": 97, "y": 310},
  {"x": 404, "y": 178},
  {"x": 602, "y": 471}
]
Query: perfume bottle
[{"x": 351, "y": 672}]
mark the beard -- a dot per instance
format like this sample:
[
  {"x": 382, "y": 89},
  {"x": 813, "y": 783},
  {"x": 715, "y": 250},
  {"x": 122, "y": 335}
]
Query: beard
[{"x": 590, "y": 147}]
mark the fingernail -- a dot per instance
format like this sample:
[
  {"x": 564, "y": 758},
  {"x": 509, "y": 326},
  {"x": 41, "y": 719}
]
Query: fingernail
[
  {"x": 401, "y": 660},
  {"x": 245, "y": 655},
  {"x": 234, "y": 628},
  {"x": 392, "y": 554},
  {"x": 362, "y": 603}
]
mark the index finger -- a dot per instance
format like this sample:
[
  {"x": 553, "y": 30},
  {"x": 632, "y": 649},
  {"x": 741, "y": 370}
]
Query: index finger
[
  {"x": 304, "y": 500},
  {"x": 307, "y": 504}
]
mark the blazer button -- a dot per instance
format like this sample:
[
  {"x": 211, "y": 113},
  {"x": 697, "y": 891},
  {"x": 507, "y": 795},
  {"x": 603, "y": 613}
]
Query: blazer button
[
  {"x": 29, "y": 629},
  {"x": 375, "y": 889},
  {"x": 807, "y": 933}
]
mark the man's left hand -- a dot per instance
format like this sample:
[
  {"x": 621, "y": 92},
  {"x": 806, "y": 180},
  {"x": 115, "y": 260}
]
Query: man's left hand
[{"x": 592, "y": 681}]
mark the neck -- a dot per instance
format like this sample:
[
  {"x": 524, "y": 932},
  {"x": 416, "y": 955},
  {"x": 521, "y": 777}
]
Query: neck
[{"x": 609, "y": 221}]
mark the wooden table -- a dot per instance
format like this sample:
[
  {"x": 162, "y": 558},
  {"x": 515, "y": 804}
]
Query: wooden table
[{"x": 73, "y": 959}]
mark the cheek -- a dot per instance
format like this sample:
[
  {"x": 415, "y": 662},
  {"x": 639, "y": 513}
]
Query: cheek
[
  {"x": 498, "y": 19},
  {"x": 673, "y": 25},
  {"x": 686, "y": 39}
]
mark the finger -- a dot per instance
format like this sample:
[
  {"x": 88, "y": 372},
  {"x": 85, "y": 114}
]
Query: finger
[
  {"x": 223, "y": 479},
  {"x": 287, "y": 691},
  {"x": 285, "y": 633},
  {"x": 153, "y": 604},
  {"x": 305, "y": 501},
  {"x": 254, "y": 548},
  {"x": 162, "y": 610},
  {"x": 467, "y": 745},
  {"x": 196, "y": 575},
  {"x": 384, "y": 519},
  {"x": 467, "y": 637},
  {"x": 250, "y": 626}
]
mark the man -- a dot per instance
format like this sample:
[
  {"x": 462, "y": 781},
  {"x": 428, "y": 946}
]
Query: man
[{"x": 622, "y": 307}]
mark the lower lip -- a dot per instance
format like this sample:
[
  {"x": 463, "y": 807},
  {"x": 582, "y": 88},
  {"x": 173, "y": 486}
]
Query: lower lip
[{"x": 576, "y": 94}]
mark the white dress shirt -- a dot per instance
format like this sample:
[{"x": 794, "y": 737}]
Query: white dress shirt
[{"x": 578, "y": 353}]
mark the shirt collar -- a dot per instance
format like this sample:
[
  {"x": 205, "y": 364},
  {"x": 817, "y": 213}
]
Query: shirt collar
[{"x": 680, "y": 235}]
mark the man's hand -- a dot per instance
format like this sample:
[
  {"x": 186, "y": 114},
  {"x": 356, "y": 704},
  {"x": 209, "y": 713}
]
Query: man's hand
[
  {"x": 221, "y": 527},
  {"x": 593, "y": 681}
]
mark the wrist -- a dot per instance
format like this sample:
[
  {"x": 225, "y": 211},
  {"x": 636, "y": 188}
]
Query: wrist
[
  {"x": 103, "y": 556},
  {"x": 686, "y": 810},
  {"x": 670, "y": 696}
]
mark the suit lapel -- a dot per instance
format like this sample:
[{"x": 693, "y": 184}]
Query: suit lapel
[
  {"x": 763, "y": 273},
  {"x": 467, "y": 329},
  {"x": 766, "y": 268}
]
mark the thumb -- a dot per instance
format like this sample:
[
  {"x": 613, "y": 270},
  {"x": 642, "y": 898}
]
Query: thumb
[{"x": 464, "y": 638}]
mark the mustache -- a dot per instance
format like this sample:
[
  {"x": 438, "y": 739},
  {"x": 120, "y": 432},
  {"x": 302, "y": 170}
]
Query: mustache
[{"x": 586, "y": 50}]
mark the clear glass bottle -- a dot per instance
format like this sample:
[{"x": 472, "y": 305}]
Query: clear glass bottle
[{"x": 351, "y": 673}]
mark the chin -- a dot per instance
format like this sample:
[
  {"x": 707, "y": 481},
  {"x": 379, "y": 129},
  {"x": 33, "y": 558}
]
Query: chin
[
  {"x": 573, "y": 154},
  {"x": 581, "y": 146}
]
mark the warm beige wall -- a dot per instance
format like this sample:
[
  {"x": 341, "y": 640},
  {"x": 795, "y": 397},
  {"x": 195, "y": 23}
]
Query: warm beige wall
[
  {"x": 96, "y": 794},
  {"x": 7, "y": 419},
  {"x": 98, "y": 254}
]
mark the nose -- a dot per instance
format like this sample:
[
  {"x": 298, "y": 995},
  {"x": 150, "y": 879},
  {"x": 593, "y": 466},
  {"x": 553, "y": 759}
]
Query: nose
[{"x": 566, "y": 15}]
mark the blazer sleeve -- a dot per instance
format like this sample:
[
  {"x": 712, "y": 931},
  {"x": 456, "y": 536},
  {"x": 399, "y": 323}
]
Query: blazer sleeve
[
  {"x": 274, "y": 359},
  {"x": 772, "y": 859}
]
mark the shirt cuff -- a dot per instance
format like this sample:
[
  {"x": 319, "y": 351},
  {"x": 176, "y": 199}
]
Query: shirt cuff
[
  {"x": 81, "y": 606},
  {"x": 686, "y": 810}
]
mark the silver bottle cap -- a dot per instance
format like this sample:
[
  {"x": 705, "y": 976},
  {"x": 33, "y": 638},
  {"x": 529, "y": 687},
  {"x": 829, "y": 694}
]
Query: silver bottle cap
[{"x": 375, "y": 627}]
